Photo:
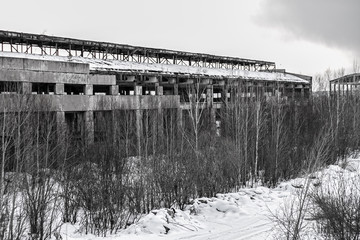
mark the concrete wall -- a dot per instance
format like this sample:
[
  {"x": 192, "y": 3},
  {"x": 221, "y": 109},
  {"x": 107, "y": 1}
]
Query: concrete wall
[
  {"x": 13, "y": 75},
  {"x": 74, "y": 103},
  {"x": 42, "y": 65},
  {"x": 102, "y": 79}
]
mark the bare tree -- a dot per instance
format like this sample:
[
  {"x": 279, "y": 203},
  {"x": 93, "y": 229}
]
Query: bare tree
[
  {"x": 260, "y": 122},
  {"x": 196, "y": 107}
]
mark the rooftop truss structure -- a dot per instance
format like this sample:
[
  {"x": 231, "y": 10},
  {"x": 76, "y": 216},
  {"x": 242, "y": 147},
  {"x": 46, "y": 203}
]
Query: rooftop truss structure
[{"x": 60, "y": 46}]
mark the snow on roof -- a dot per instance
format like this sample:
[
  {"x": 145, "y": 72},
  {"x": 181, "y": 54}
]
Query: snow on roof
[{"x": 127, "y": 66}]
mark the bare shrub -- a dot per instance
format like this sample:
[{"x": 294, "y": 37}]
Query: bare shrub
[
  {"x": 290, "y": 219},
  {"x": 337, "y": 207}
]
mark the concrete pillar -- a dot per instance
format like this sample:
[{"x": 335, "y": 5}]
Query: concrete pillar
[
  {"x": 330, "y": 85},
  {"x": 224, "y": 93},
  {"x": 209, "y": 95},
  {"x": 176, "y": 89},
  {"x": 139, "y": 129},
  {"x": 60, "y": 120},
  {"x": 89, "y": 127},
  {"x": 60, "y": 126},
  {"x": 302, "y": 93},
  {"x": 159, "y": 90},
  {"x": 137, "y": 90},
  {"x": 160, "y": 123},
  {"x": 114, "y": 130},
  {"x": 180, "y": 119},
  {"x": 274, "y": 90},
  {"x": 160, "y": 118},
  {"x": 89, "y": 89},
  {"x": 114, "y": 90},
  {"x": 209, "y": 102},
  {"x": 26, "y": 88},
  {"x": 59, "y": 89}
]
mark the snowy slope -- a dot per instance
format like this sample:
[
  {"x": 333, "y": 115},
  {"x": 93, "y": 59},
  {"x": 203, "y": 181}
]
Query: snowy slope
[{"x": 245, "y": 214}]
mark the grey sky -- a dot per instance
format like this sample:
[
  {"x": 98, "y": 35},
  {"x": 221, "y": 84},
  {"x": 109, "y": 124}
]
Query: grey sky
[
  {"x": 332, "y": 22},
  {"x": 297, "y": 35}
]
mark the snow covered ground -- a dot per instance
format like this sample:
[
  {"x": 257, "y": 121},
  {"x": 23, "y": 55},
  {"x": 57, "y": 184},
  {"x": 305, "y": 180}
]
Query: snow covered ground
[
  {"x": 246, "y": 214},
  {"x": 241, "y": 215}
]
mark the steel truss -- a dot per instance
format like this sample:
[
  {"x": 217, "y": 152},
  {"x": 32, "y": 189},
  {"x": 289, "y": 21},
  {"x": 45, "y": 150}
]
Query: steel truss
[{"x": 59, "y": 46}]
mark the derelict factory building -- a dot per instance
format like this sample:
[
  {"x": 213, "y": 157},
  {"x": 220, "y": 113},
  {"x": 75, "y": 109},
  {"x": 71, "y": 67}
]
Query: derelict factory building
[{"x": 84, "y": 79}]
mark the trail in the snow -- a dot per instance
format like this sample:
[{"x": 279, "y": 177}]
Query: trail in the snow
[{"x": 248, "y": 228}]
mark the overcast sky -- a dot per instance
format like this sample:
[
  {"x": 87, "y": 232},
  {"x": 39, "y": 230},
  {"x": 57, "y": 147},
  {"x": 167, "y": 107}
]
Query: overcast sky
[{"x": 304, "y": 36}]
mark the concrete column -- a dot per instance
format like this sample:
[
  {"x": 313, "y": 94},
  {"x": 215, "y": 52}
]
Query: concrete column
[
  {"x": 60, "y": 126},
  {"x": 209, "y": 104},
  {"x": 302, "y": 92},
  {"x": 114, "y": 90},
  {"x": 160, "y": 118},
  {"x": 138, "y": 118},
  {"x": 176, "y": 89},
  {"x": 59, "y": 89},
  {"x": 160, "y": 122},
  {"x": 159, "y": 90},
  {"x": 139, "y": 129},
  {"x": 60, "y": 120},
  {"x": 89, "y": 89},
  {"x": 224, "y": 93},
  {"x": 89, "y": 127},
  {"x": 179, "y": 119},
  {"x": 137, "y": 90},
  {"x": 209, "y": 95},
  {"x": 26, "y": 88},
  {"x": 330, "y": 85},
  {"x": 250, "y": 90},
  {"x": 274, "y": 90},
  {"x": 282, "y": 90},
  {"x": 113, "y": 126}
]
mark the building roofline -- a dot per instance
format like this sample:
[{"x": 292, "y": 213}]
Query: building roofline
[
  {"x": 111, "y": 48},
  {"x": 345, "y": 77}
]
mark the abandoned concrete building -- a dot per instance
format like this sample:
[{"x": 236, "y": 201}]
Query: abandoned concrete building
[
  {"x": 345, "y": 84},
  {"x": 85, "y": 79}
]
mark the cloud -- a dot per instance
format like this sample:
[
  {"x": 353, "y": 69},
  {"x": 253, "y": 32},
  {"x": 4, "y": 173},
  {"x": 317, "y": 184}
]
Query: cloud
[{"x": 335, "y": 23}]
